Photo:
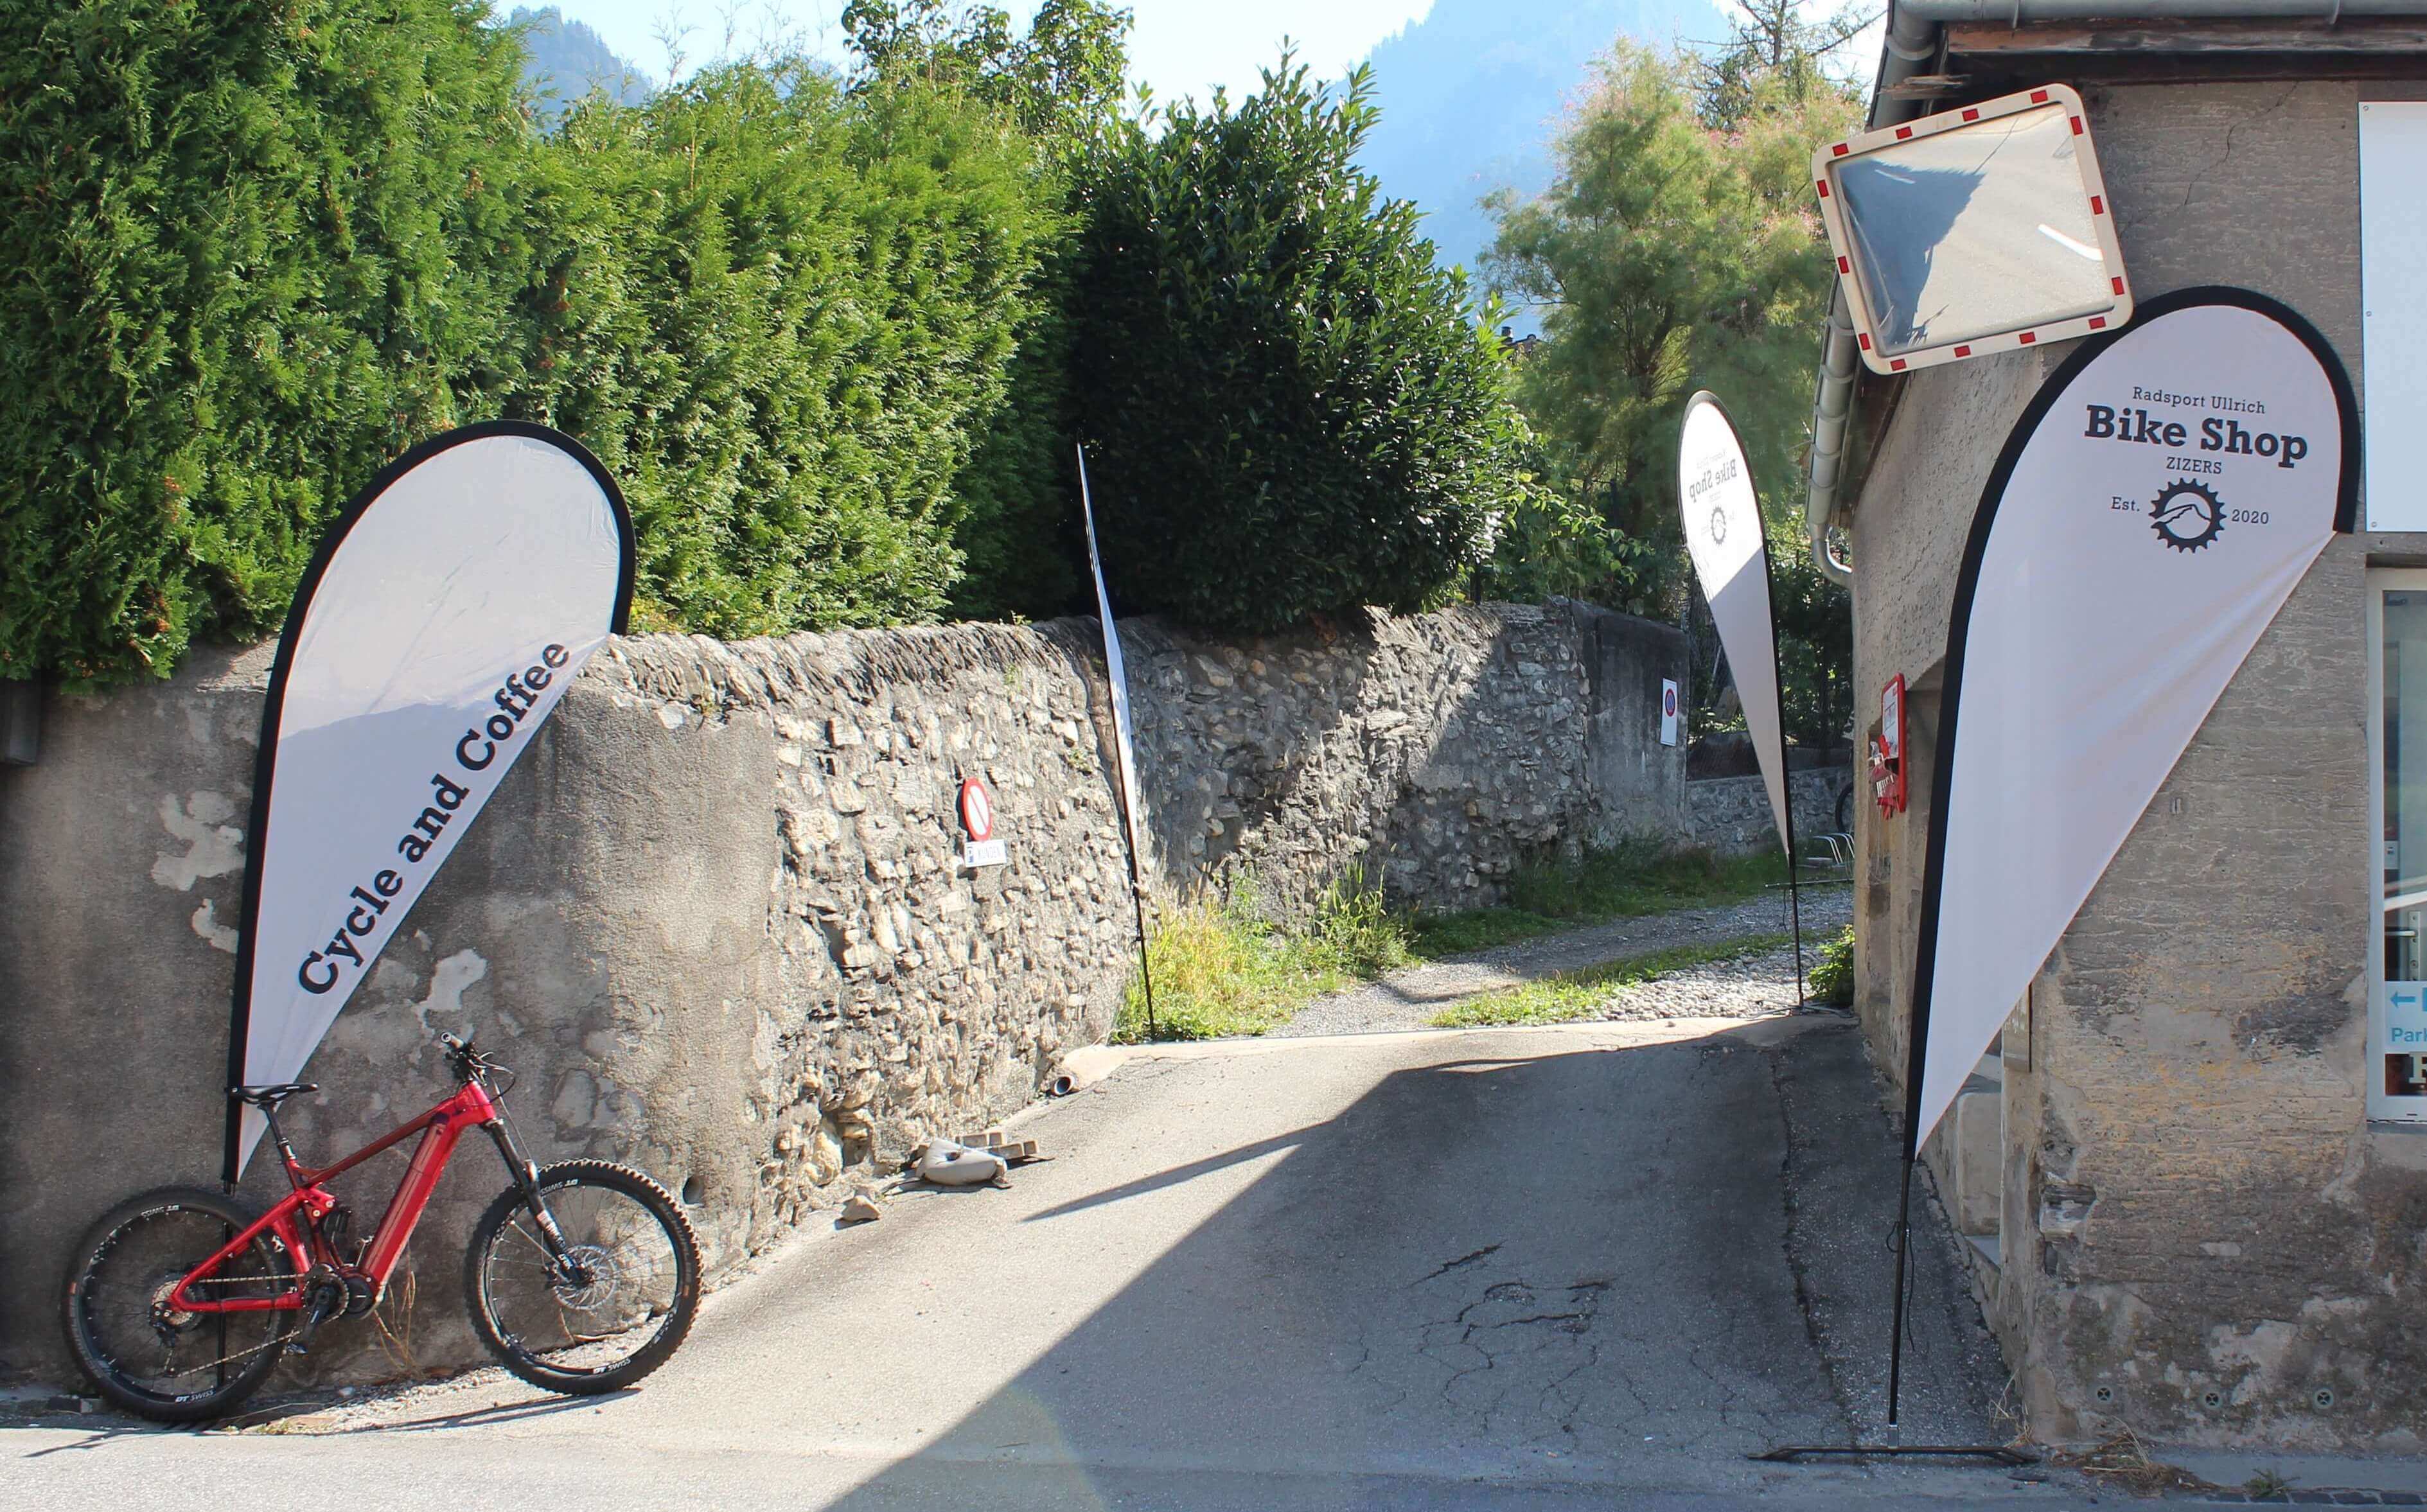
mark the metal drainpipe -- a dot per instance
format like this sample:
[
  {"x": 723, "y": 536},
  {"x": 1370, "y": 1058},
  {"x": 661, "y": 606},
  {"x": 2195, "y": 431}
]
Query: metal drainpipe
[{"x": 1912, "y": 43}]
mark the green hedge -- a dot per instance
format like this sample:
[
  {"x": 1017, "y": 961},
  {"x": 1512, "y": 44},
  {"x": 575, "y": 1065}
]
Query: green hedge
[
  {"x": 781, "y": 316},
  {"x": 833, "y": 337},
  {"x": 260, "y": 250},
  {"x": 236, "y": 288}
]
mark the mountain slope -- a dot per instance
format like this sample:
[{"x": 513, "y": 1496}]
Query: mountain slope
[
  {"x": 563, "y": 60},
  {"x": 1471, "y": 96}
]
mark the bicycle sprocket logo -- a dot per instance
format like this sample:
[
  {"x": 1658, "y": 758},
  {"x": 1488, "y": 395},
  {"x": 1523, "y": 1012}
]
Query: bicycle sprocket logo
[{"x": 2187, "y": 515}]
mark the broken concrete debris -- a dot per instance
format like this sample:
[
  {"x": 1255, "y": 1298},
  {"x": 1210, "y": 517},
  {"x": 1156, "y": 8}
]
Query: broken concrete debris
[
  {"x": 860, "y": 1208},
  {"x": 946, "y": 1163}
]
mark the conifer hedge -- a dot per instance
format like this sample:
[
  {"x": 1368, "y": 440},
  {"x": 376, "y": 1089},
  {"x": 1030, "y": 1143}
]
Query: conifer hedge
[
  {"x": 781, "y": 316},
  {"x": 257, "y": 249},
  {"x": 831, "y": 336},
  {"x": 238, "y": 285}
]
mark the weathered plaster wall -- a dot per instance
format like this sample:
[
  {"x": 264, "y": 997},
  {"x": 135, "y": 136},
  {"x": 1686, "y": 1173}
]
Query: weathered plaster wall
[
  {"x": 1732, "y": 815},
  {"x": 714, "y": 916},
  {"x": 2203, "y": 1239}
]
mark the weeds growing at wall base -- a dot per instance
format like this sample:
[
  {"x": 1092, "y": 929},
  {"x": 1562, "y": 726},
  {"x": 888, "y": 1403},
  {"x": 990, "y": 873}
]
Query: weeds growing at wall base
[{"x": 1222, "y": 966}]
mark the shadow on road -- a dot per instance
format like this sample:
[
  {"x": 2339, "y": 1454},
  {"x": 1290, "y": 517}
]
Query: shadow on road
[{"x": 1626, "y": 1265}]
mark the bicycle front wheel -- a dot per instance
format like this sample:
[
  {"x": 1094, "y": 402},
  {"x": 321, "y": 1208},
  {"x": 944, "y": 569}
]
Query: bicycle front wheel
[{"x": 603, "y": 1307}]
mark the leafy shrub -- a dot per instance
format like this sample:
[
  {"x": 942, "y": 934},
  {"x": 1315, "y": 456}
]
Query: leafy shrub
[
  {"x": 1833, "y": 976},
  {"x": 1288, "y": 408},
  {"x": 780, "y": 315},
  {"x": 238, "y": 284}
]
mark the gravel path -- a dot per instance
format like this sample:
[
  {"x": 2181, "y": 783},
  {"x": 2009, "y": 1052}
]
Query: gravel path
[{"x": 1758, "y": 984}]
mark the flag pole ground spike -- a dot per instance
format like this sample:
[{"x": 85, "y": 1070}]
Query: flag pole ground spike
[{"x": 1893, "y": 1447}]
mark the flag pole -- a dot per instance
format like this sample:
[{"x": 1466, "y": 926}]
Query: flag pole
[
  {"x": 1896, "y": 1309},
  {"x": 1786, "y": 766},
  {"x": 1116, "y": 679}
]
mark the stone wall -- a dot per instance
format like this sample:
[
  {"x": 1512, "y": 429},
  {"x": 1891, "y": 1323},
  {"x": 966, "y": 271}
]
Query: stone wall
[
  {"x": 2199, "y": 1234},
  {"x": 715, "y": 916},
  {"x": 1732, "y": 815}
]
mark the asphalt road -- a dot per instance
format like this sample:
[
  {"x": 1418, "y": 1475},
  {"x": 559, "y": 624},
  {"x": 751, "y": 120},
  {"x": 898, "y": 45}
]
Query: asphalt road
[{"x": 1501, "y": 1269}]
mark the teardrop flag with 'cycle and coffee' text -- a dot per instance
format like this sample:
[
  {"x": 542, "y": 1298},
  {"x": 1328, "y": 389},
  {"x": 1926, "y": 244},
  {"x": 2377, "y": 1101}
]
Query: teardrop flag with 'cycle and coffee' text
[{"x": 444, "y": 613}]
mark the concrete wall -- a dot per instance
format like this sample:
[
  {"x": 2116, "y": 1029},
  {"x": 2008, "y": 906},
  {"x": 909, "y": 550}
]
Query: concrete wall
[
  {"x": 2202, "y": 1237},
  {"x": 1732, "y": 815},
  {"x": 714, "y": 916}
]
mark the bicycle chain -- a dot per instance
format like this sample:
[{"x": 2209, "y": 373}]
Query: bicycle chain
[
  {"x": 274, "y": 1343},
  {"x": 229, "y": 1360}
]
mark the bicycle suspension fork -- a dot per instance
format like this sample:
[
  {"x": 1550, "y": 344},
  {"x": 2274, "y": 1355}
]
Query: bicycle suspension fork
[{"x": 526, "y": 1176}]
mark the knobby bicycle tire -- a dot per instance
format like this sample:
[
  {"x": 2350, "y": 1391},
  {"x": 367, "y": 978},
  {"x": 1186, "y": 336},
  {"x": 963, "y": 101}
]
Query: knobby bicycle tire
[
  {"x": 511, "y": 1352},
  {"x": 91, "y": 1353}
]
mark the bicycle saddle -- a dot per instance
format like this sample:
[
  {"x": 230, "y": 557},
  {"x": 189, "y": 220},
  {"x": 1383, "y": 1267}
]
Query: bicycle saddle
[{"x": 271, "y": 1096}]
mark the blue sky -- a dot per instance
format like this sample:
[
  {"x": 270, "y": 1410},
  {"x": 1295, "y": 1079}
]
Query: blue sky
[{"x": 1179, "y": 46}]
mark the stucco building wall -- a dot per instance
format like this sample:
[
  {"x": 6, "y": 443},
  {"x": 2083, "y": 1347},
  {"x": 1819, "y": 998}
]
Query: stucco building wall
[{"x": 2202, "y": 1237}]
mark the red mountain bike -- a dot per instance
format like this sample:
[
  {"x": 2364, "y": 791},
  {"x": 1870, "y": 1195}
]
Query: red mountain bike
[{"x": 581, "y": 1278}]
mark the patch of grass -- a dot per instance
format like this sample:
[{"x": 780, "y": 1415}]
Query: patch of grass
[
  {"x": 1435, "y": 935},
  {"x": 1221, "y": 967},
  {"x": 1625, "y": 881},
  {"x": 1638, "y": 877},
  {"x": 1833, "y": 975},
  {"x": 1583, "y": 993}
]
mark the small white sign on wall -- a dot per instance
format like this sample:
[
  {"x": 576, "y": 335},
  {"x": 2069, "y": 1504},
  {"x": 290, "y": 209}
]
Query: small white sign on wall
[
  {"x": 2393, "y": 310},
  {"x": 1669, "y": 718}
]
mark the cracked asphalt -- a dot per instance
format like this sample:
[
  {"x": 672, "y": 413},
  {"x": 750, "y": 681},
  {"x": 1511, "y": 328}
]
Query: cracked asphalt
[{"x": 1494, "y": 1269}]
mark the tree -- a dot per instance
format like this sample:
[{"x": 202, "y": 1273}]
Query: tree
[
  {"x": 1773, "y": 52},
  {"x": 1292, "y": 410},
  {"x": 1679, "y": 248},
  {"x": 1063, "y": 78},
  {"x": 1666, "y": 257}
]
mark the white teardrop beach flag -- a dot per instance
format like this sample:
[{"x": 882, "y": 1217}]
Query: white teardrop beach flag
[
  {"x": 1724, "y": 536},
  {"x": 2153, "y": 509},
  {"x": 445, "y": 612},
  {"x": 1116, "y": 672}
]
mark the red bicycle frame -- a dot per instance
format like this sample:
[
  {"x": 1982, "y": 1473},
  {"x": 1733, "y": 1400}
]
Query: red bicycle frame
[{"x": 440, "y": 1128}]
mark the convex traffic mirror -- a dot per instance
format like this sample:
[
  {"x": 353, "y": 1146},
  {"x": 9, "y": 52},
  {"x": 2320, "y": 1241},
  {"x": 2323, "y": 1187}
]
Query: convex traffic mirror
[{"x": 1981, "y": 229}]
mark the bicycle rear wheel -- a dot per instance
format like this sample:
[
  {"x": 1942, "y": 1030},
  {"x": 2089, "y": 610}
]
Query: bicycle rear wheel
[
  {"x": 155, "y": 1359},
  {"x": 609, "y": 1313}
]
